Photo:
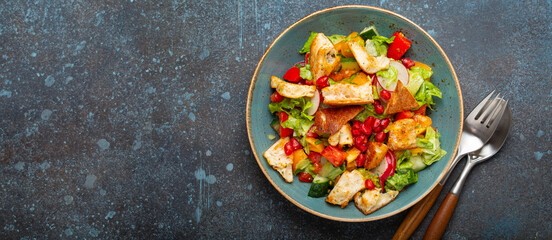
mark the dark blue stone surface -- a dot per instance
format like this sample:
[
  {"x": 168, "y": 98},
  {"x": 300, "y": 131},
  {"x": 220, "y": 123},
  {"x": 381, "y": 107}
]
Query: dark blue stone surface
[{"x": 126, "y": 119}]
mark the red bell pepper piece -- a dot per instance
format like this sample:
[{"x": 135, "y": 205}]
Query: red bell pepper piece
[
  {"x": 293, "y": 74},
  {"x": 284, "y": 132},
  {"x": 399, "y": 46}
]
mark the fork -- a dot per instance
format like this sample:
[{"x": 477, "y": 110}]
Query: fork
[{"x": 479, "y": 126}]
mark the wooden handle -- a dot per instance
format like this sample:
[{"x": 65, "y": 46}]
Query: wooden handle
[
  {"x": 442, "y": 217},
  {"x": 416, "y": 214}
]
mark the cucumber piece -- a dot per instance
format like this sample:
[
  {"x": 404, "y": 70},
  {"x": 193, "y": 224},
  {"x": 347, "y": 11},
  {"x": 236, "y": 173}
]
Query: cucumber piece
[
  {"x": 368, "y": 33},
  {"x": 371, "y": 48},
  {"x": 275, "y": 124},
  {"x": 319, "y": 187},
  {"x": 417, "y": 163}
]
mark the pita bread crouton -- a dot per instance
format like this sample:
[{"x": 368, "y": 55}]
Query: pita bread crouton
[
  {"x": 368, "y": 63},
  {"x": 401, "y": 100},
  {"x": 369, "y": 201},
  {"x": 358, "y": 92},
  {"x": 330, "y": 120},
  {"x": 277, "y": 158},
  {"x": 292, "y": 90},
  {"x": 345, "y": 189},
  {"x": 402, "y": 134},
  {"x": 375, "y": 154},
  {"x": 323, "y": 57}
]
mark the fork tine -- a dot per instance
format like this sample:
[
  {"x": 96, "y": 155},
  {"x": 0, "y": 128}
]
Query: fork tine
[
  {"x": 497, "y": 114},
  {"x": 482, "y": 105},
  {"x": 487, "y": 112}
]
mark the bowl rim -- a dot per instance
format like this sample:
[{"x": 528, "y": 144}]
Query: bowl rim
[{"x": 250, "y": 99}]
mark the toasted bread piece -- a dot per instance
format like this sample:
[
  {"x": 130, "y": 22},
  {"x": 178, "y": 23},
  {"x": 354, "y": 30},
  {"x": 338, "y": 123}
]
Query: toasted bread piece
[
  {"x": 277, "y": 158},
  {"x": 348, "y": 94},
  {"x": 401, "y": 100},
  {"x": 375, "y": 154},
  {"x": 368, "y": 63},
  {"x": 330, "y": 120},
  {"x": 348, "y": 185},
  {"x": 292, "y": 90},
  {"x": 323, "y": 57},
  {"x": 402, "y": 134},
  {"x": 343, "y": 137},
  {"x": 369, "y": 201}
]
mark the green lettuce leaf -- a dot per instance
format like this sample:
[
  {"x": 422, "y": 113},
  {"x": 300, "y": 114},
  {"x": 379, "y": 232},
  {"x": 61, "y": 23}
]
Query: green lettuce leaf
[
  {"x": 306, "y": 47},
  {"x": 293, "y": 106},
  {"x": 400, "y": 179},
  {"x": 381, "y": 44},
  {"x": 431, "y": 151},
  {"x": 425, "y": 94},
  {"x": 305, "y": 72},
  {"x": 336, "y": 38},
  {"x": 426, "y": 74}
]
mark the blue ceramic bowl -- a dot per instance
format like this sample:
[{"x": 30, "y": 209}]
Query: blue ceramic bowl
[{"x": 283, "y": 53}]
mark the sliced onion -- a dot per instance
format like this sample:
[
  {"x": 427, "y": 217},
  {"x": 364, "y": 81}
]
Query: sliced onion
[
  {"x": 315, "y": 104},
  {"x": 402, "y": 75}
]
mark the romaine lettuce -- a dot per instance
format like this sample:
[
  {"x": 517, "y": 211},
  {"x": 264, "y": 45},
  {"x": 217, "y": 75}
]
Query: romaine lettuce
[
  {"x": 306, "y": 47},
  {"x": 336, "y": 38},
  {"x": 400, "y": 179},
  {"x": 425, "y": 94},
  {"x": 390, "y": 74},
  {"x": 381, "y": 44},
  {"x": 431, "y": 149},
  {"x": 305, "y": 72}
]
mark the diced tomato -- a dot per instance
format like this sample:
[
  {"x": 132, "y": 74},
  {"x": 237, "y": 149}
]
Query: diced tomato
[
  {"x": 276, "y": 97},
  {"x": 404, "y": 115},
  {"x": 293, "y": 74},
  {"x": 369, "y": 184},
  {"x": 335, "y": 155},
  {"x": 295, "y": 144},
  {"x": 315, "y": 157},
  {"x": 317, "y": 167},
  {"x": 284, "y": 132},
  {"x": 421, "y": 110},
  {"x": 305, "y": 177},
  {"x": 399, "y": 46},
  {"x": 288, "y": 148}
]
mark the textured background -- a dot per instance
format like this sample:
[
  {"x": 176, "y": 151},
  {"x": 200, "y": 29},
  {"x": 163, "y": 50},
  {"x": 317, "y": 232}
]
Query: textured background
[{"x": 126, "y": 119}]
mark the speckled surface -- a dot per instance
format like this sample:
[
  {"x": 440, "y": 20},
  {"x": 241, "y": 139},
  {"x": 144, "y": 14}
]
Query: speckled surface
[{"x": 126, "y": 119}]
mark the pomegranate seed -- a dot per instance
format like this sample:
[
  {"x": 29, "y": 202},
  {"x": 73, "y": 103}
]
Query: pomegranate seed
[
  {"x": 366, "y": 129},
  {"x": 362, "y": 147},
  {"x": 360, "y": 160},
  {"x": 386, "y": 95},
  {"x": 379, "y": 109},
  {"x": 360, "y": 141},
  {"x": 376, "y": 102},
  {"x": 356, "y": 132},
  {"x": 385, "y": 122},
  {"x": 288, "y": 148},
  {"x": 356, "y": 124},
  {"x": 375, "y": 123},
  {"x": 322, "y": 82},
  {"x": 380, "y": 136},
  {"x": 369, "y": 184},
  {"x": 305, "y": 177},
  {"x": 295, "y": 144},
  {"x": 368, "y": 121},
  {"x": 407, "y": 62}
]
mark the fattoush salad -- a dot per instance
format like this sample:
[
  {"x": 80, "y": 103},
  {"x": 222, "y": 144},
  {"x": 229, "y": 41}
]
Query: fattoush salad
[{"x": 351, "y": 119}]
